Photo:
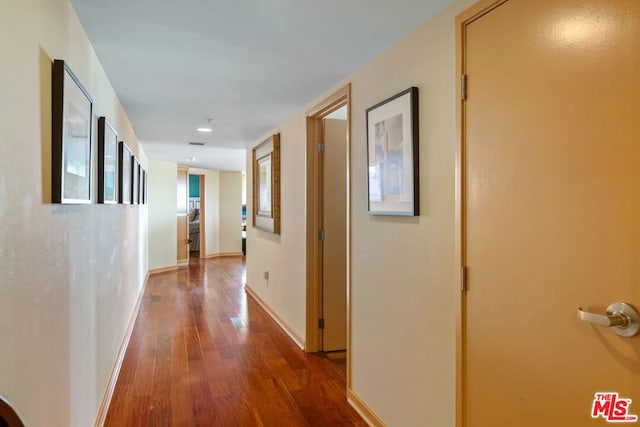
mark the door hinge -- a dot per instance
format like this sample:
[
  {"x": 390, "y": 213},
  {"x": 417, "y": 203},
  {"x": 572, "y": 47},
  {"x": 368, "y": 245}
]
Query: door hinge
[
  {"x": 463, "y": 278},
  {"x": 463, "y": 87},
  {"x": 321, "y": 235},
  {"x": 321, "y": 147},
  {"x": 320, "y": 323}
]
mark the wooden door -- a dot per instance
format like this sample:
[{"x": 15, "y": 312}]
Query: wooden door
[
  {"x": 183, "y": 215},
  {"x": 551, "y": 209},
  {"x": 334, "y": 269}
]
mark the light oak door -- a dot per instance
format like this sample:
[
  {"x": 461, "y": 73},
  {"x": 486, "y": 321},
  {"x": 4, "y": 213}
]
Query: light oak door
[
  {"x": 551, "y": 209},
  {"x": 334, "y": 287},
  {"x": 183, "y": 215}
]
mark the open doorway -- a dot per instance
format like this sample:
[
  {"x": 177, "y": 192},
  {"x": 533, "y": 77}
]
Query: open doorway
[
  {"x": 328, "y": 130},
  {"x": 196, "y": 215},
  {"x": 334, "y": 230}
]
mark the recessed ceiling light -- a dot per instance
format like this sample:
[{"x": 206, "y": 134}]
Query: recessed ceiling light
[
  {"x": 190, "y": 159},
  {"x": 206, "y": 129}
]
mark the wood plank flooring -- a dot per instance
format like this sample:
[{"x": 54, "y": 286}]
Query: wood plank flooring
[{"x": 203, "y": 353}]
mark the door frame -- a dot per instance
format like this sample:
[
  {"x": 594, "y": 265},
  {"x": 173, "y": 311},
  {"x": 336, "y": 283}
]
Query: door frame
[
  {"x": 203, "y": 226},
  {"x": 314, "y": 178},
  {"x": 474, "y": 12},
  {"x": 201, "y": 180},
  {"x": 185, "y": 261}
]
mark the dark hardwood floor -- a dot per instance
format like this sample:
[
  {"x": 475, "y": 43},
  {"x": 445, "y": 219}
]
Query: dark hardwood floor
[{"x": 203, "y": 353}]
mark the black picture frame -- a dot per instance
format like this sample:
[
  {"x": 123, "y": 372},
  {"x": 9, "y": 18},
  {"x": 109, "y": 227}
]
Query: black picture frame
[
  {"x": 146, "y": 187},
  {"x": 143, "y": 186},
  {"x": 135, "y": 182},
  {"x": 71, "y": 138},
  {"x": 107, "y": 162},
  {"x": 143, "y": 178},
  {"x": 393, "y": 155},
  {"x": 125, "y": 174}
]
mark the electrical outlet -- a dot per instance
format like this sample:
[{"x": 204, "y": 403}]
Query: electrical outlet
[{"x": 266, "y": 275}]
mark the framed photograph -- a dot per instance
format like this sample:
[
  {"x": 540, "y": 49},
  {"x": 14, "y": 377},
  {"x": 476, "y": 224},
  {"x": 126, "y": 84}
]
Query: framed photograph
[
  {"x": 140, "y": 184},
  {"x": 146, "y": 187},
  {"x": 143, "y": 187},
  {"x": 392, "y": 155},
  {"x": 125, "y": 174},
  {"x": 135, "y": 183},
  {"x": 266, "y": 185},
  {"x": 107, "y": 162},
  {"x": 72, "y": 117}
]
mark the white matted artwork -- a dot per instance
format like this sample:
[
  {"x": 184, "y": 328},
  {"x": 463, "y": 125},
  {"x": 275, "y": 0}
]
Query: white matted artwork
[
  {"x": 125, "y": 174},
  {"x": 72, "y": 116},
  {"x": 107, "y": 162},
  {"x": 392, "y": 155}
]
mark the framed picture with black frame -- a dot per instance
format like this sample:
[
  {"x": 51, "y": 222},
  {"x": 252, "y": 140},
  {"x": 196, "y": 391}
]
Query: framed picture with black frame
[
  {"x": 143, "y": 186},
  {"x": 135, "y": 194},
  {"x": 146, "y": 187},
  {"x": 107, "y": 162},
  {"x": 392, "y": 155},
  {"x": 72, "y": 117},
  {"x": 125, "y": 174}
]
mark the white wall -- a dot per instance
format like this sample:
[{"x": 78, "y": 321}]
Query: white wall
[
  {"x": 223, "y": 193},
  {"x": 223, "y": 202},
  {"x": 403, "y": 273},
  {"x": 69, "y": 275},
  {"x": 163, "y": 202},
  {"x": 212, "y": 211},
  {"x": 284, "y": 255},
  {"x": 403, "y": 270},
  {"x": 230, "y": 212}
]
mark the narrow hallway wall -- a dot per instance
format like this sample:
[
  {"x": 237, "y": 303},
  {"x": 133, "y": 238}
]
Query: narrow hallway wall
[
  {"x": 70, "y": 275},
  {"x": 403, "y": 273}
]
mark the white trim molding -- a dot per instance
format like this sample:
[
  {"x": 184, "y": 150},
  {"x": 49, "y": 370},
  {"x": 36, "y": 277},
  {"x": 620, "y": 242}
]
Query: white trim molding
[
  {"x": 276, "y": 317},
  {"x": 108, "y": 394}
]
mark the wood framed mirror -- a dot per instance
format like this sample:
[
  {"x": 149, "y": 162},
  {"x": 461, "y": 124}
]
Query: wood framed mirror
[{"x": 266, "y": 185}]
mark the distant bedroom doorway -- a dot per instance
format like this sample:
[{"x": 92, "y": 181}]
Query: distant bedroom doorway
[{"x": 196, "y": 215}]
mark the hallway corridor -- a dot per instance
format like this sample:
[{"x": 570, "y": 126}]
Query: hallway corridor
[{"x": 203, "y": 353}]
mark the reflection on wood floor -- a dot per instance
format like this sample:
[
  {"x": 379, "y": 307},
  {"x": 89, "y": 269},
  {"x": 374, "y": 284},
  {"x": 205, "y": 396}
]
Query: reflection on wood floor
[{"x": 204, "y": 354}]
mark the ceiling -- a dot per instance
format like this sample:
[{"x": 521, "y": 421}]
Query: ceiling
[{"x": 246, "y": 64}]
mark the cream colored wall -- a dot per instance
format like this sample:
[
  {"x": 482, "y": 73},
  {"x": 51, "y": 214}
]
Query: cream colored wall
[
  {"x": 403, "y": 272},
  {"x": 163, "y": 202},
  {"x": 223, "y": 202},
  {"x": 212, "y": 211},
  {"x": 69, "y": 275},
  {"x": 404, "y": 268},
  {"x": 282, "y": 256},
  {"x": 230, "y": 212}
]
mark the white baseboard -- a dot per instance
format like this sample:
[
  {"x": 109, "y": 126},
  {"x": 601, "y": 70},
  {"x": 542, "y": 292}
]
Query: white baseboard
[
  {"x": 106, "y": 399},
  {"x": 224, "y": 254},
  {"x": 363, "y": 409},
  {"x": 162, "y": 269},
  {"x": 279, "y": 320}
]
